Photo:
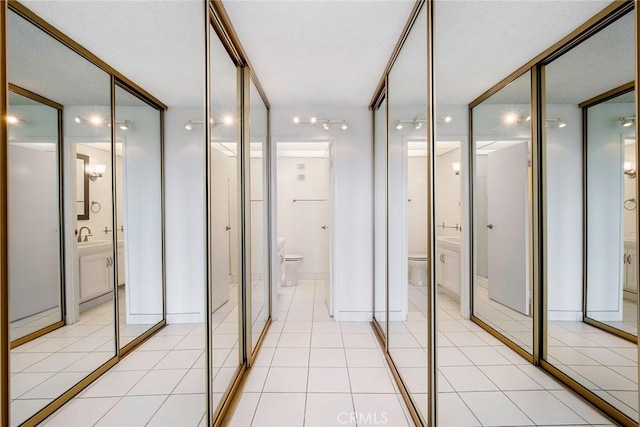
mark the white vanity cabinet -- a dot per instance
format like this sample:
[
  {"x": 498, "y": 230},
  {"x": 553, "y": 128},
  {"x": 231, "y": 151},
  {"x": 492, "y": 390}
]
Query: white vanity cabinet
[
  {"x": 630, "y": 269},
  {"x": 95, "y": 269},
  {"x": 448, "y": 266},
  {"x": 280, "y": 257}
]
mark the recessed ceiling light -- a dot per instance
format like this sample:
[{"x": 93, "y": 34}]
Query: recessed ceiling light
[
  {"x": 447, "y": 119},
  {"x": 510, "y": 118},
  {"x": 296, "y": 120},
  {"x": 228, "y": 120},
  {"x": 13, "y": 120},
  {"x": 313, "y": 120},
  {"x": 96, "y": 120}
]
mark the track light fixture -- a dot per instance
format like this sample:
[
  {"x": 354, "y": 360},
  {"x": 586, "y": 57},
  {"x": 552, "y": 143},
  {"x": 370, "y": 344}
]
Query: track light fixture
[
  {"x": 555, "y": 122},
  {"x": 325, "y": 124},
  {"x": 97, "y": 121},
  {"x": 226, "y": 120},
  {"x": 626, "y": 122}
]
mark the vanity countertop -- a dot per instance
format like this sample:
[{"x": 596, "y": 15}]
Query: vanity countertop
[
  {"x": 96, "y": 246},
  {"x": 449, "y": 242}
]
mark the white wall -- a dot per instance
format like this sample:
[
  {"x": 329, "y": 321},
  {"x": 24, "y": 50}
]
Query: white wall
[
  {"x": 564, "y": 215},
  {"x": 352, "y": 264},
  {"x": 300, "y": 222},
  {"x": 185, "y": 216}
]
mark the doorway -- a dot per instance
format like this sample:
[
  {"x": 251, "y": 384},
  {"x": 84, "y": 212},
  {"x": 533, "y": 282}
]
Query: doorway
[{"x": 304, "y": 180}]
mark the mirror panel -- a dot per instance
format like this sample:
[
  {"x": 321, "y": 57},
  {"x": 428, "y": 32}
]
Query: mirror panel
[
  {"x": 225, "y": 206},
  {"x": 380, "y": 215},
  {"x": 406, "y": 213},
  {"x": 139, "y": 215},
  {"x": 82, "y": 186},
  {"x": 35, "y": 221},
  {"x": 586, "y": 143},
  {"x": 46, "y": 367},
  {"x": 501, "y": 153},
  {"x": 259, "y": 215}
]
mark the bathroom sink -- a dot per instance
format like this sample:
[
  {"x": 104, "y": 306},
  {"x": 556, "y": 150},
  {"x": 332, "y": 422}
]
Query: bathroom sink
[
  {"x": 94, "y": 243},
  {"x": 452, "y": 239}
]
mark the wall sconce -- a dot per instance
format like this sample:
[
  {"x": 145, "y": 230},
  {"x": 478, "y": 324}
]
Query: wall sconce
[
  {"x": 626, "y": 122},
  {"x": 95, "y": 171},
  {"x": 13, "y": 120},
  {"x": 629, "y": 169},
  {"x": 456, "y": 167},
  {"x": 325, "y": 124}
]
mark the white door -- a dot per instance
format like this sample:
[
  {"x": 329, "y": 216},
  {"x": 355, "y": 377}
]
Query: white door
[
  {"x": 220, "y": 229},
  {"x": 507, "y": 202}
]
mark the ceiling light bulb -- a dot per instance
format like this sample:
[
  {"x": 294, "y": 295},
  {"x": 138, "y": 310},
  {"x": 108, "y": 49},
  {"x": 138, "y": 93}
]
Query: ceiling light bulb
[
  {"x": 313, "y": 120},
  {"x": 528, "y": 118},
  {"x": 13, "y": 120},
  {"x": 296, "y": 120},
  {"x": 188, "y": 125},
  {"x": 124, "y": 126},
  {"x": 417, "y": 125},
  {"x": 344, "y": 126},
  {"x": 626, "y": 121},
  {"x": 96, "y": 120},
  {"x": 399, "y": 125},
  {"x": 561, "y": 123},
  {"x": 228, "y": 120},
  {"x": 510, "y": 118},
  {"x": 326, "y": 126},
  {"x": 77, "y": 119},
  {"x": 447, "y": 119}
]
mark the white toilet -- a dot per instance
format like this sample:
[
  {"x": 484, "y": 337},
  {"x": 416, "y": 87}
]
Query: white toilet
[
  {"x": 292, "y": 263},
  {"x": 418, "y": 269}
]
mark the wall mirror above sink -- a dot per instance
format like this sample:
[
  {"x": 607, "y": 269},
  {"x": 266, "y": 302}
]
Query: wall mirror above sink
[{"x": 82, "y": 186}]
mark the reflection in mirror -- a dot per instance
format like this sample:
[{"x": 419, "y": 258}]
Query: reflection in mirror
[
  {"x": 502, "y": 193},
  {"x": 611, "y": 205},
  {"x": 587, "y": 184},
  {"x": 82, "y": 186},
  {"x": 259, "y": 216},
  {"x": 34, "y": 218},
  {"x": 48, "y": 366},
  {"x": 225, "y": 221},
  {"x": 406, "y": 213},
  {"x": 380, "y": 213},
  {"x": 139, "y": 215}
]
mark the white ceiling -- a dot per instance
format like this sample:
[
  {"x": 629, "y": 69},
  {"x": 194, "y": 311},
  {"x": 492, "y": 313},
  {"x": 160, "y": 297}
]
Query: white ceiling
[{"x": 315, "y": 52}]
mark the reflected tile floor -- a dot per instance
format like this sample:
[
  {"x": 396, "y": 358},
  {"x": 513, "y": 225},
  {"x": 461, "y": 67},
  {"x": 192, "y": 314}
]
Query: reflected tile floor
[
  {"x": 602, "y": 362},
  {"x": 481, "y": 382},
  {"x": 313, "y": 371},
  {"x": 161, "y": 383}
]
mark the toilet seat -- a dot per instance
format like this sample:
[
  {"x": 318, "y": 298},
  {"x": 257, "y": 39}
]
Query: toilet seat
[
  {"x": 417, "y": 257},
  {"x": 293, "y": 257}
]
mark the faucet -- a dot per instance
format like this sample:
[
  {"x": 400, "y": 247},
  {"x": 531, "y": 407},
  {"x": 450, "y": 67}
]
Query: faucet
[{"x": 86, "y": 237}]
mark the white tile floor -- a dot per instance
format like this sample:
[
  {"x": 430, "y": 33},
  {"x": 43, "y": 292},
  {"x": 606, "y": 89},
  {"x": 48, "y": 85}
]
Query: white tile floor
[
  {"x": 481, "y": 382},
  {"x": 313, "y": 371},
  {"x": 602, "y": 362}
]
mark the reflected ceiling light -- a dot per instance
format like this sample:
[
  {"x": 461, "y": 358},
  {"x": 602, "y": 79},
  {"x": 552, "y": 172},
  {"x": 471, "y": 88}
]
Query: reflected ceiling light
[
  {"x": 79, "y": 120},
  {"x": 227, "y": 120},
  {"x": 96, "y": 120},
  {"x": 188, "y": 125},
  {"x": 13, "y": 120},
  {"x": 627, "y": 121},
  {"x": 323, "y": 123},
  {"x": 528, "y": 118},
  {"x": 399, "y": 125},
  {"x": 456, "y": 167},
  {"x": 510, "y": 118},
  {"x": 555, "y": 122},
  {"x": 124, "y": 125},
  {"x": 447, "y": 119},
  {"x": 417, "y": 125}
]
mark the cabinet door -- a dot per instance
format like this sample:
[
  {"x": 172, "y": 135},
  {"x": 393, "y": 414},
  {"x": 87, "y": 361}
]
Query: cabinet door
[
  {"x": 94, "y": 276},
  {"x": 632, "y": 271},
  {"x": 451, "y": 271},
  {"x": 121, "y": 262},
  {"x": 440, "y": 267}
]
